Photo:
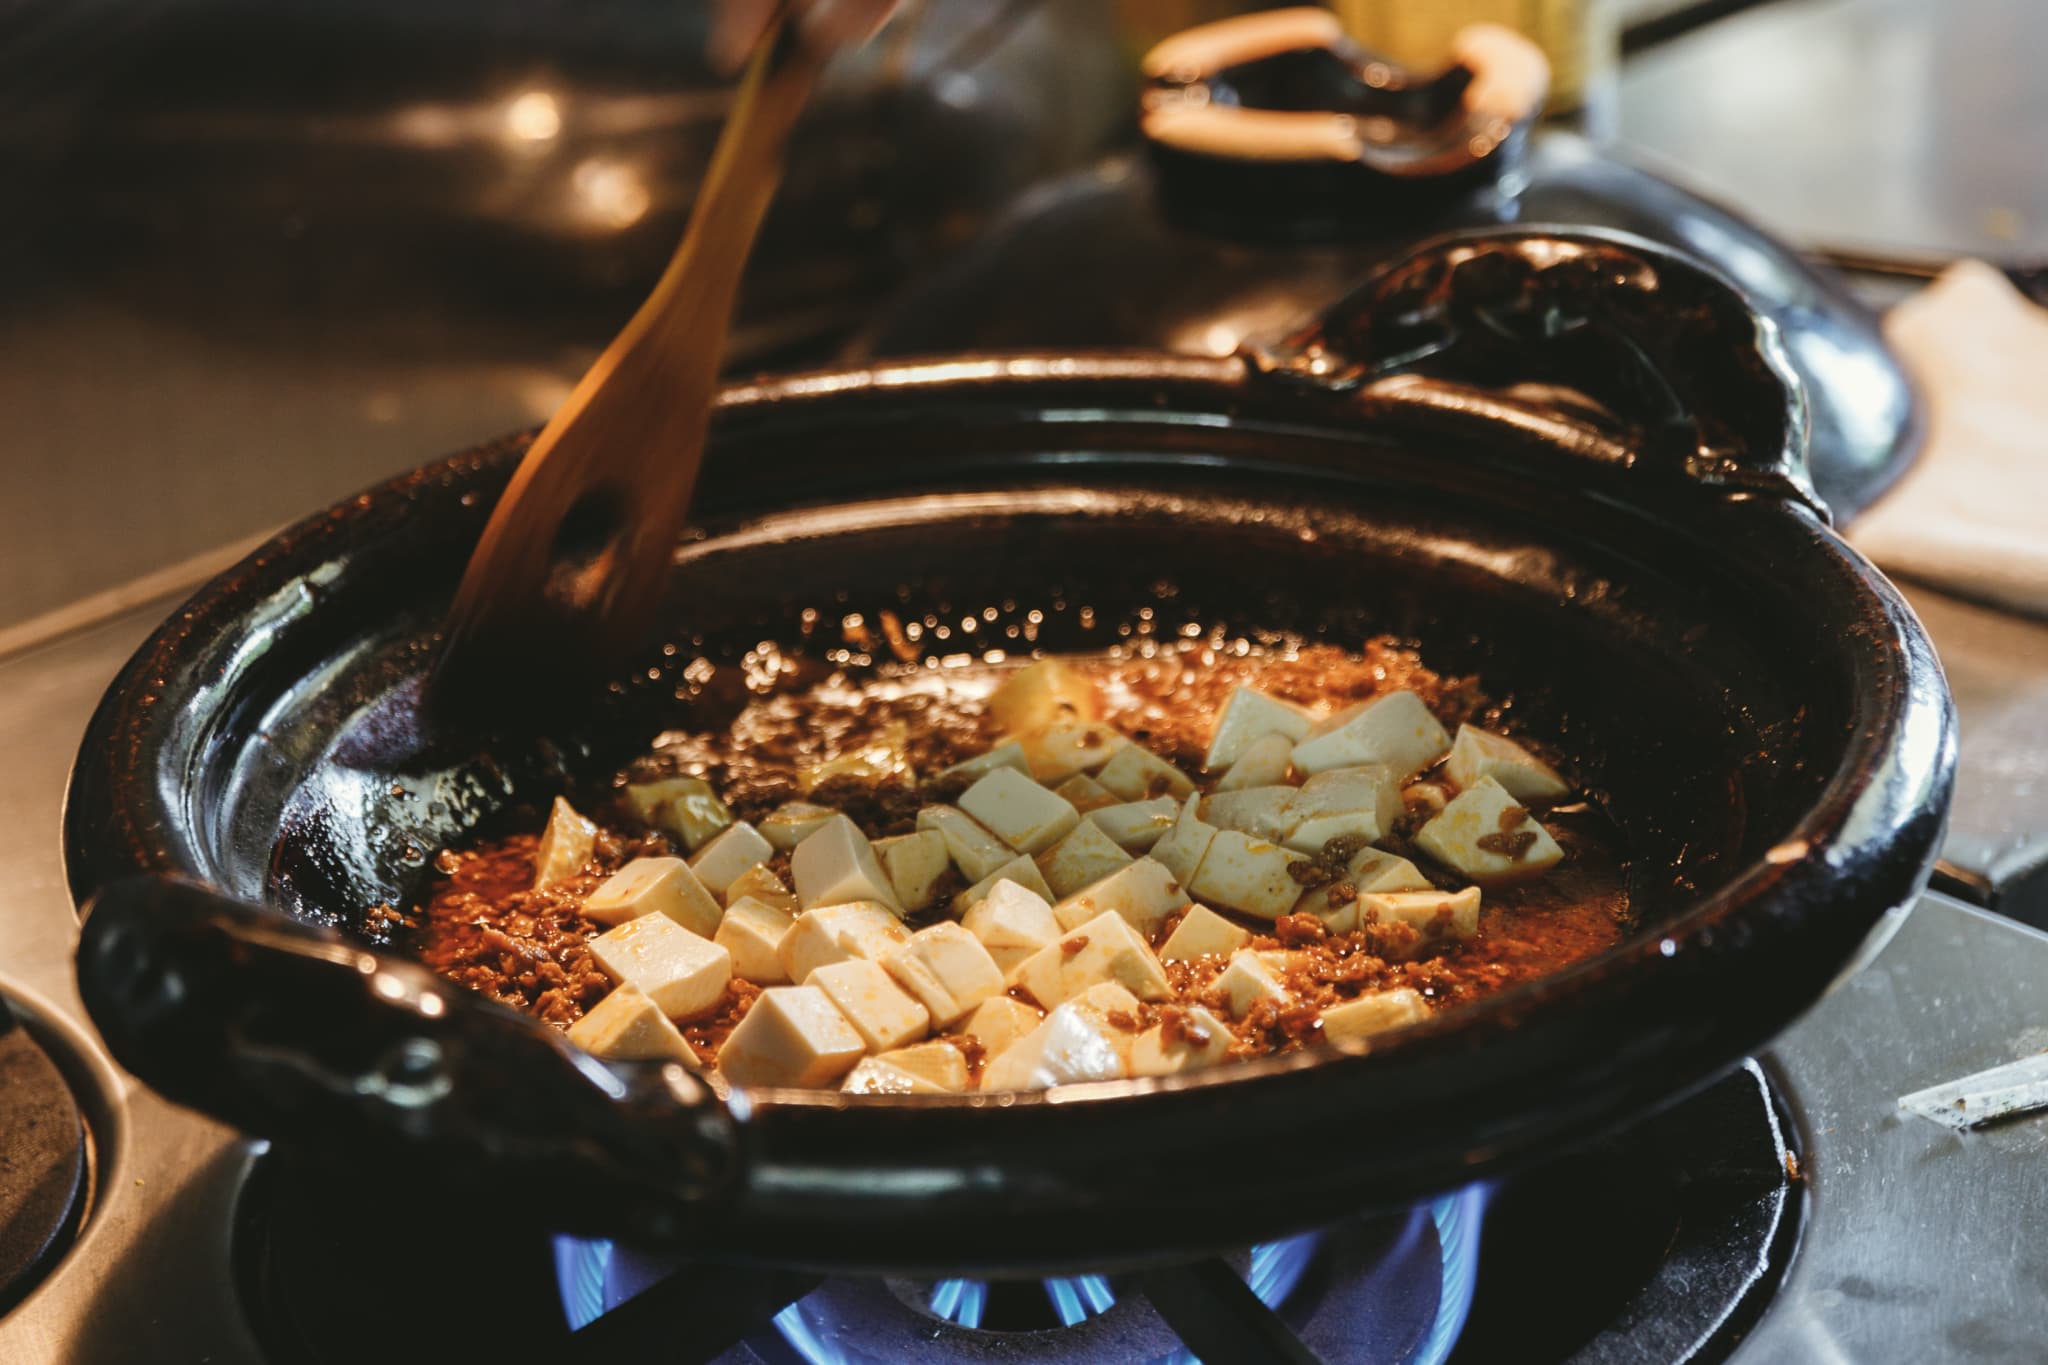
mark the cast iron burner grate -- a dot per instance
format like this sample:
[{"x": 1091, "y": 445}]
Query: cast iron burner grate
[{"x": 44, "y": 1161}]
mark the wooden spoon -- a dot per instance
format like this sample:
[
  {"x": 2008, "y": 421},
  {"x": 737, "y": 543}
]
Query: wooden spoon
[{"x": 571, "y": 565}]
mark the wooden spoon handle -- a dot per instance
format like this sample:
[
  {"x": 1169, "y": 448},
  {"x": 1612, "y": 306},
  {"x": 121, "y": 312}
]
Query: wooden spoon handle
[{"x": 572, "y": 562}]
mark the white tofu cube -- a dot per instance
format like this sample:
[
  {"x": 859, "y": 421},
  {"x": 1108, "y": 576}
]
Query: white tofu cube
[
  {"x": 883, "y": 759},
  {"x": 1012, "y": 923},
  {"x": 1361, "y": 803},
  {"x": 916, "y": 864},
  {"x": 1247, "y": 874},
  {"x": 1373, "y": 1013},
  {"x": 1008, "y": 754},
  {"x": 947, "y": 969},
  {"x": 1394, "y": 731},
  {"x": 655, "y": 886},
  {"x": 973, "y": 849},
  {"x": 728, "y": 855},
  {"x": 834, "y": 933},
  {"x": 792, "y": 1035},
  {"x": 1263, "y": 812},
  {"x": 1070, "y": 1046},
  {"x": 1370, "y": 870},
  {"x": 626, "y": 1026},
  {"x": 874, "y": 1076},
  {"x": 1489, "y": 837},
  {"x": 764, "y": 886},
  {"x": 1137, "y": 825},
  {"x": 752, "y": 931},
  {"x": 881, "y": 1012},
  {"x": 1058, "y": 751},
  {"x": 1265, "y": 762},
  {"x": 1084, "y": 793},
  {"x": 1117, "y": 1010},
  {"x": 1203, "y": 933},
  {"x": 683, "y": 974},
  {"x": 1406, "y": 924},
  {"x": 1181, "y": 849},
  {"x": 998, "y": 1022},
  {"x": 1247, "y": 717},
  {"x": 1143, "y": 892},
  {"x": 942, "y": 1065},
  {"x": 1248, "y": 980},
  {"x": 1042, "y": 693},
  {"x": 686, "y": 807},
  {"x": 837, "y": 866},
  {"x": 1106, "y": 948},
  {"x": 1018, "y": 811},
  {"x": 1022, "y": 869},
  {"x": 792, "y": 822},
  {"x": 565, "y": 845},
  {"x": 1426, "y": 799},
  {"x": 1478, "y": 753},
  {"x": 1193, "y": 1040},
  {"x": 1083, "y": 858},
  {"x": 1138, "y": 774}
]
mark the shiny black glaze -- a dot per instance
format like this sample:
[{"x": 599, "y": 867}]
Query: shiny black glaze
[{"x": 1761, "y": 711}]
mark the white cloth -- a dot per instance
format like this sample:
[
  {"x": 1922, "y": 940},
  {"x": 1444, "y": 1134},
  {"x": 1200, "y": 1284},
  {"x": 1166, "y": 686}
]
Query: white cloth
[{"x": 1972, "y": 512}]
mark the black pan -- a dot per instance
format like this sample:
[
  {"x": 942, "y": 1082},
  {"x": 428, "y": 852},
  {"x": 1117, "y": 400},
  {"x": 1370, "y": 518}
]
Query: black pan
[{"x": 1569, "y": 464}]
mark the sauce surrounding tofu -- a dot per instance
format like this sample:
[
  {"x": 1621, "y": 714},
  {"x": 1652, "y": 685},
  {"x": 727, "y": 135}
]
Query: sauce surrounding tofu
[{"x": 872, "y": 746}]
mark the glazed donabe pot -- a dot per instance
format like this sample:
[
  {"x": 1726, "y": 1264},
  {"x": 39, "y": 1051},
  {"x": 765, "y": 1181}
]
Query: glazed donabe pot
[{"x": 1568, "y": 464}]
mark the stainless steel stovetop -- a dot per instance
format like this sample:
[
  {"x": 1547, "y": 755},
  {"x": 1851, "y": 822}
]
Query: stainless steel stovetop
[{"x": 1917, "y": 1244}]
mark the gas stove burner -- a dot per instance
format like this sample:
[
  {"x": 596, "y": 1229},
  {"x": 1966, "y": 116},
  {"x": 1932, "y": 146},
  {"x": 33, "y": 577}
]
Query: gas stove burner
[{"x": 44, "y": 1161}]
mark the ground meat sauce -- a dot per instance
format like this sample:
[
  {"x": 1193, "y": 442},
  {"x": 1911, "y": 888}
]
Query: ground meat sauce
[{"x": 857, "y": 744}]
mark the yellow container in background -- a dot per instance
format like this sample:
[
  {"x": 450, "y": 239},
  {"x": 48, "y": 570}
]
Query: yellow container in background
[{"x": 1576, "y": 35}]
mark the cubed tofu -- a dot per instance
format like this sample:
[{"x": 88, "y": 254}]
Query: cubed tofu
[
  {"x": 1022, "y": 869},
  {"x": 1374, "y": 1013},
  {"x": 874, "y": 1076},
  {"x": 565, "y": 845},
  {"x": 973, "y": 849},
  {"x": 998, "y": 1022},
  {"x": 1118, "y": 1011},
  {"x": 1248, "y": 875},
  {"x": 837, "y": 866},
  {"x": 1042, "y": 693},
  {"x": 1064, "y": 748},
  {"x": 1008, "y": 754},
  {"x": 1143, "y": 892},
  {"x": 792, "y": 1035},
  {"x": 792, "y": 822},
  {"x": 939, "y": 1062},
  {"x": 917, "y": 865},
  {"x": 655, "y": 886},
  {"x": 684, "y": 974},
  {"x": 763, "y": 886},
  {"x": 1407, "y": 924},
  {"x": 1478, "y": 753},
  {"x": 1265, "y": 762},
  {"x": 1370, "y": 870},
  {"x": 1248, "y": 980},
  {"x": 1106, "y": 948},
  {"x": 1394, "y": 731},
  {"x": 1138, "y": 774},
  {"x": 1084, "y": 793},
  {"x": 1070, "y": 1046},
  {"x": 1136, "y": 825},
  {"x": 1248, "y": 717},
  {"x": 881, "y": 1012},
  {"x": 626, "y": 1026},
  {"x": 1263, "y": 812},
  {"x": 1489, "y": 837},
  {"x": 1425, "y": 799},
  {"x": 947, "y": 969},
  {"x": 752, "y": 931},
  {"x": 728, "y": 855},
  {"x": 885, "y": 758},
  {"x": 1012, "y": 922},
  {"x": 1181, "y": 849},
  {"x": 1196, "y": 1039},
  {"x": 1202, "y": 933},
  {"x": 686, "y": 807},
  {"x": 1353, "y": 803},
  {"x": 1083, "y": 858},
  {"x": 1018, "y": 811},
  {"x": 834, "y": 933}
]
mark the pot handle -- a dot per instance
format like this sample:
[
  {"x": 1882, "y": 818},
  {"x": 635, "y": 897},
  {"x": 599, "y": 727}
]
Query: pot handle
[
  {"x": 1615, "y": 349},
  {"x": 295, "y": 1033}
]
